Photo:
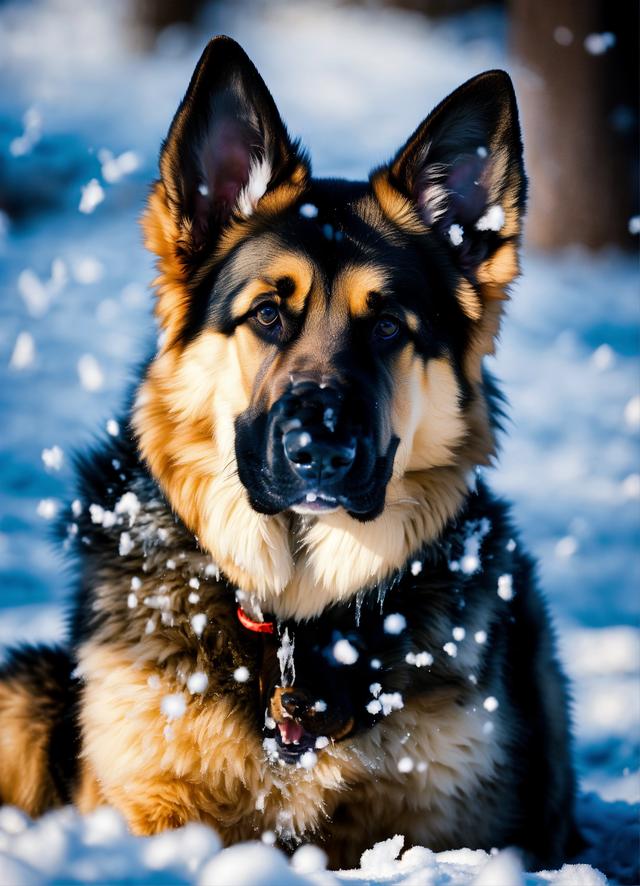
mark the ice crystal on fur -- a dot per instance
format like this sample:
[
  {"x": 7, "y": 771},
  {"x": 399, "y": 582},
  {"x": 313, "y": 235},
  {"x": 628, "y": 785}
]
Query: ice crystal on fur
[
  {"x": 285, "y": 657},
  {"x": 451, "y": 649},
  {"x": 490, "y": 704},
  {"x": 416, "y": 567},
  {"x": 405, "y": 764},
  {"x": 458, "y": 634},
  {"x": 480, "y": 637},
  {"x": 469, "y": 563}
]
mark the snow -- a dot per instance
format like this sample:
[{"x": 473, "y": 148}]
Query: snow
[
  {"x": 632, "y": 412},
  {"x": 344, "y": 652},
  {"x": 598, "y": 44},
  {"x": 90, "y": 373},
  {"x": 126, "y": 544},
  {"x": 419, "y": 659},
  {"x": 24, "y": 352},
  {"x": 569, "y": 461},
  {"x": 492, "y": 220},
  {"x": 456, "y": 234},
  {"x": 490, "y": 704},
  {"x": 308, "y": 760},
  {"x": 173, "y": 706},
  {"x": 395, "y": 623},
  {"x": 198, "y": 682},
  {"x": 241, "y": 674},
  {"x": 92, "y": 196},
  {"x": 48, "y": 508},
  {"x": 308, "y": 210},
  {"x": 199, "y": 622},
  {"x": 53, "y": 458},
  {"x": 505, "y": 587},
  {"x": 563, "y": 35}
]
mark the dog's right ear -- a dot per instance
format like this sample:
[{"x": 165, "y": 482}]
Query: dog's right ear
[{"x": 226, "y": 147}]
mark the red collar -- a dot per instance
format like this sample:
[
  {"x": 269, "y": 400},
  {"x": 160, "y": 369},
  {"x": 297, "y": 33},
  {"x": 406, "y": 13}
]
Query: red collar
[{"x": 259, "y": 627}]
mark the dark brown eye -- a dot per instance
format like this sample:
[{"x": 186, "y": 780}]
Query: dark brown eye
[
  {"x": 386, "y": 328},
  {"x": 267, "y": 314}
]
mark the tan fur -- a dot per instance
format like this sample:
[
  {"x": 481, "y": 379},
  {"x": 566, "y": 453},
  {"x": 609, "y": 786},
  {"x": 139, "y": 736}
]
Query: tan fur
[
  {"x": 398, "y": 208},
  {"x": 24, "y": 743},
  {"x": 355, "y": 283},
  {"x": 209, "y": 765},
  {"x": 295, "y": 267}
]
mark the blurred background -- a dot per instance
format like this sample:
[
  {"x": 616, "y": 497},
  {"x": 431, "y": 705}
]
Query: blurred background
[{"x": 87, "y": 91}]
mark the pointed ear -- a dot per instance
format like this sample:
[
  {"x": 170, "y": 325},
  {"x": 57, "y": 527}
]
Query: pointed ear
[
  {"x": 226, "y": 147},
  {"x": 462, "y": 172}
]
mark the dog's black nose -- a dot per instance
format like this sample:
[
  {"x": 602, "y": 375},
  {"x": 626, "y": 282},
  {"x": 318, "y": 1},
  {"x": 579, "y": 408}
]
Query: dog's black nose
[
  {"x": 314, "y": 456},
  {"x": 318, "y": 444},
  {"x": 294, "y": 702}
]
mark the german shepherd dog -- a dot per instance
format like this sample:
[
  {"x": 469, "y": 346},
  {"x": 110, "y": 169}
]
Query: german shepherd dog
[{"x": 298, "y": 607}]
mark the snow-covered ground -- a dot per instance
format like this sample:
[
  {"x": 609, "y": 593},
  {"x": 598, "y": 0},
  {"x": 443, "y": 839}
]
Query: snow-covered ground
[{"x": 82, "y": 111}]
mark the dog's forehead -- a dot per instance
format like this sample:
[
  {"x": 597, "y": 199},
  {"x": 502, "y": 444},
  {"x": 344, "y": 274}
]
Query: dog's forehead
[{"x": 336, "y": 241}]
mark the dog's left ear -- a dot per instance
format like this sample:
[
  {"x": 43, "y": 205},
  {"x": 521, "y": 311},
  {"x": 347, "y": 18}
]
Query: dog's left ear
[
  {"x": 227, "y": 146},
  {"x": 462, "y": 173}
]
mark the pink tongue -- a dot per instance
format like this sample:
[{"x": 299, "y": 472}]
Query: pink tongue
[{"x": 290, "y": 731}]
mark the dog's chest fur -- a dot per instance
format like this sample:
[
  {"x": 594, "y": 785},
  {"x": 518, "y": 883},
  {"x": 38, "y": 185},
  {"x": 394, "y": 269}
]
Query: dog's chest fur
[{"x": 154, "y": 610}]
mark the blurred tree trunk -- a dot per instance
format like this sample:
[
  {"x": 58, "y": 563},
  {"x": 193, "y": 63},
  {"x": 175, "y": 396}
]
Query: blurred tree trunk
[{"x": 580, "y": 118}]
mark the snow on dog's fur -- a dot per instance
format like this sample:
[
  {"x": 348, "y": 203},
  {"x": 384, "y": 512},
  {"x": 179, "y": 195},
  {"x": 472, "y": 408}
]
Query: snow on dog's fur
[{"x": 306, "y": 440}]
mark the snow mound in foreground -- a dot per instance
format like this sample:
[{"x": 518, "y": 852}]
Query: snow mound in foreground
[{"x": 66, "y": 847}]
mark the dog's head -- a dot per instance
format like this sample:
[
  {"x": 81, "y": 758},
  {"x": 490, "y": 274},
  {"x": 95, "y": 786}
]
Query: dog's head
[{"x": 323, "y": 339}]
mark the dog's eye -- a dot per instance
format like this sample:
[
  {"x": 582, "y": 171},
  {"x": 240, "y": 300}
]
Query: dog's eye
[
  {"x": 267, "y": 314},
  {"x": 386, "y": 328}
]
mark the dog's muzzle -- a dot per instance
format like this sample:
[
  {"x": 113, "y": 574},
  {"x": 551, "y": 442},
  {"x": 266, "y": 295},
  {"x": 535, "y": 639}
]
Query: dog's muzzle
[{"x": 311, "y": 424}]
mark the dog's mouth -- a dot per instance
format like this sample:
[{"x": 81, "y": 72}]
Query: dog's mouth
[
  {"x": 316, "y": 503},
  {"x": 293, "y": 740}
]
